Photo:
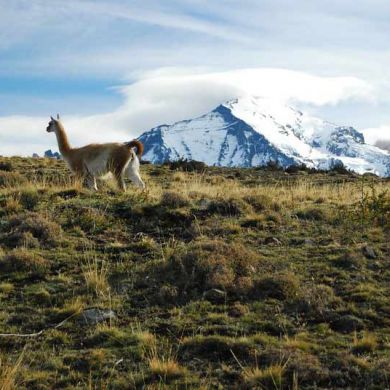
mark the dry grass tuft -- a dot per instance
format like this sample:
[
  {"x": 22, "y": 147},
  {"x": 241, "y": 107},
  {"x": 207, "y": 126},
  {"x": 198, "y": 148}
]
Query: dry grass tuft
[
  {"x": 164, "y": 365},
  {"x": 366, "y": 344},
  {"x": 95, "y": 275},
  {"x": 9, "y": 372},
  {"x": 11, "y": 179},
  {"x": 264, "y": 378},
  {"x": 166, "y": 368}
]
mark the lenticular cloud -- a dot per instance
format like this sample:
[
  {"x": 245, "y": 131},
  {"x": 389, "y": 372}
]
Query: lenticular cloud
[{"x": 170, "y": 95}]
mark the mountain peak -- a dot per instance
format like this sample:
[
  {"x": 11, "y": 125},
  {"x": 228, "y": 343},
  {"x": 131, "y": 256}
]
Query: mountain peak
[{"x": 250, "y": 131}]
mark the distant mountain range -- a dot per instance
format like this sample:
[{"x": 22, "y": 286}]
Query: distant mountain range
[
  {"x": 252, "y": 131},
  {"x": 48, "y": 154}
]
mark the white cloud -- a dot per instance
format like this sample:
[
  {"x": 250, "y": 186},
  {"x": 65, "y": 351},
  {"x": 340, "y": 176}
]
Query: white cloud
[
  {"x": 377, "y": 134},
  {"x": 168, "y": 95}
]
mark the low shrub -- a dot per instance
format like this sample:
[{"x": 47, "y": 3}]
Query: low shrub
[
  {"x": 227, "y": 207},
  {"x": 20, "y": 260},
  {"x": 11, "y": 179},
  {"x": 31, "y": 225},
  {"x": 211, "y": 264},
  {"x": 173, "y": 199},
  {"x": 6, "y": 166},
  {"x": 187, "y": 165},
  {"x": 258, "y": 202},
  {"x": 365, "y": 344},
  {"x": 218, "y": 347},
  {"x": 279, "y": 286},
  {"x": 312, "y": 214},
  {"x": 349, "y": 260},
  {"x": 29, "y": 198}
]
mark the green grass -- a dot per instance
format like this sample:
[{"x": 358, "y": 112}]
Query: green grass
[{"x": 218, "y": 277}]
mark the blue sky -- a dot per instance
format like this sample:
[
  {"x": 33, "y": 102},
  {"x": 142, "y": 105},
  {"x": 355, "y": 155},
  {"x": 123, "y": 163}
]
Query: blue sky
[{"x": 116, "y": 68}]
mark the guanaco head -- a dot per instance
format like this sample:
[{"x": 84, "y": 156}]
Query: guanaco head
[{"x": 52, "y": 124}]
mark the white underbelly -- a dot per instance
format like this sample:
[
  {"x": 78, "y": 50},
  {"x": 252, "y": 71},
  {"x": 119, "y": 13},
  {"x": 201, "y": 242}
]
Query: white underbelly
[{"x": 98, "y": 166}]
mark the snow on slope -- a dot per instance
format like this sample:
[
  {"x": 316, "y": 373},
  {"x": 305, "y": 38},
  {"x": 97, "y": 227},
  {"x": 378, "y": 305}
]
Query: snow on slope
[{"x": 251, "y": 131}]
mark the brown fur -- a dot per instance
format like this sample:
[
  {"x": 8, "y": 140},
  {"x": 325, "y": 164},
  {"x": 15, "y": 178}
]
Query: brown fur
[
  {"x": 94, "y": 160},
  {"x": 137, "y": 144}
]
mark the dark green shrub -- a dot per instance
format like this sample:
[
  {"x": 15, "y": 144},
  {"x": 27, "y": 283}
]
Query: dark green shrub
[
  {"x": 29, "y": 199},
  {"x": 173, "y": 199},
  {"x": 227, "y": 207},
  {"x": 210, "y": 264},
  {"x": 30, "y": 225},
  {"x": 278, "y": 286},
  {"x": 11, "y": 179},
  {"x": 21, "y": 260},
  {"x": 312, "y": 214}
]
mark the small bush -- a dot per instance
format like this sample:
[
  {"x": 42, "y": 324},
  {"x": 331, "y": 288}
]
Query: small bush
[
  {"x": 111, "y": 337},
  {"x": 274, "y": 166},
  {"x": 227, "y": 207},
  {"x": 295, "y": 168},
  {"x": 238, "y": 310},
  {"x": 168, "y": 294},
  {"x": 38, "y": 295},
  {"x": 218, "y": 347},
  {"x": 6, "y": 288},
  {"x": 207, "y": 265},
  {"x": 349, "y": 260},
  {"x": 23, "y": 260},
  {"x": 347, "y": 323},
  {"x": 340, "y": 168},
  {"x": 258, "y": 202},
  {"x": 29, "y": 199},
  {"x": 173, "y": 199},
  {"x": 315, "y": 301},
  {"x": 312, "y": 214},
  {"x": 254, "y": 222},
  {"x": 11, "y": 179},
  {"x": 187, "y": 165},
  {"x": 30, "y": 225},
  {"x": 6, "y": 166},
  {"x": 279, "y": 286},
  {"x": 89, "y": 219},
  {"x": 12, "y": 205},
  {"x": 366, "y": 344}
]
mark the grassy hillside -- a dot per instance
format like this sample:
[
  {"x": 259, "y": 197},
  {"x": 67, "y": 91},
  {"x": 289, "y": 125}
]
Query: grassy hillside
[{"x": 224, "y": 278}]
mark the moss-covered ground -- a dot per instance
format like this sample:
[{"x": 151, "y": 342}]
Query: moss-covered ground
[{"x": 218, "y": 278}]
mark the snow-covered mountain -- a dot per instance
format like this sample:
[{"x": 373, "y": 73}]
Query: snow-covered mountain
[{"x": 251, "y": 131}]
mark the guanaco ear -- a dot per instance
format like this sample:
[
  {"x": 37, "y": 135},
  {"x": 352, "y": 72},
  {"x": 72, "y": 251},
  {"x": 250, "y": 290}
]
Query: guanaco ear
[
  {"x": 51, "y": 118},
  {"x": 58, "y": 117}
]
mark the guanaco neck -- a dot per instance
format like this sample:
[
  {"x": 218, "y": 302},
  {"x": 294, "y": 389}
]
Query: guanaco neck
[{"x": 62, "y": 139}]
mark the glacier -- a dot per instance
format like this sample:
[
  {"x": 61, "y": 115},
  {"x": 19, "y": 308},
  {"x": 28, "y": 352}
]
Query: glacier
[{"x": 251, "y": 131}]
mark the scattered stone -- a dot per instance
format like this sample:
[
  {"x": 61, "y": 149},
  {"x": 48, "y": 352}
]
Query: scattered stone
[
  {"x": 215, "y": 295},
  {"x": 94, "y": 316},
  {"x": 272, "y": 241},
  {"x": 347, "y": 323},
  {"x": 369, "y": 252}
]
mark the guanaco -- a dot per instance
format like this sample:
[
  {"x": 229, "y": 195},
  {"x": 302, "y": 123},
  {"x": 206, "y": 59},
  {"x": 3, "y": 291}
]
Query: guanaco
[{"x": 94, "y": 160}]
